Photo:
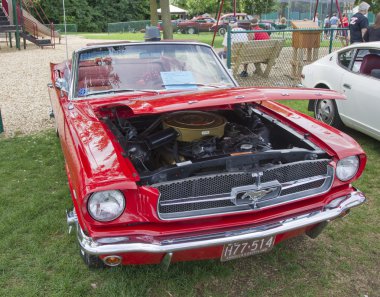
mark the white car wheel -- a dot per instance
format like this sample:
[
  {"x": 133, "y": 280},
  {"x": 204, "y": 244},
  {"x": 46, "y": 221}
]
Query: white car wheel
[
  {"x": 191, "y": 30},
  {"x": 222, "y": 31}
]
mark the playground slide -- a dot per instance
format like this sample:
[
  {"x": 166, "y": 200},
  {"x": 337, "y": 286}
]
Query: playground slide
[{"x": 34, "y": 27}]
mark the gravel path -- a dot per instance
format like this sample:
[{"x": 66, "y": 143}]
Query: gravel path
[{"x": 24, "y": 74}]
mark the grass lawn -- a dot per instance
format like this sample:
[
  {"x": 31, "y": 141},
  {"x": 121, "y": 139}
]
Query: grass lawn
[
  {"x": 39, "y": 258},
  {"x": 204, "y": 37}
]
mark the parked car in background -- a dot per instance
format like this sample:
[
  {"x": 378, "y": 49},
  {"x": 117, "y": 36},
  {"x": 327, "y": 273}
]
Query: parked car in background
[
  {"x": 168, "y": 159},
  {"x": 243, "y": 19},
  {"x": 196, "y": 25},
  {"x": 267, "y": 25},
  {"x": 174, "y": 25},
  {"x": 355, "y": 72},
  {"x": 244, "y": 22}
]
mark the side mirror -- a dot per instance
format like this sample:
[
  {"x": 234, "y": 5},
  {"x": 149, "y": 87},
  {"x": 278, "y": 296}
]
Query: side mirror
[{"x": 60, "y": 84}]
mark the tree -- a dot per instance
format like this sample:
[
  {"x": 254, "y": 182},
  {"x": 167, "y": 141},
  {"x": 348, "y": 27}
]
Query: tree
[
  {"x": 153, "y": 12},
  {"x": 375, "y": 6},
  {"x": 93, "y": 15},
  {"x": 258, "y": 7},
  {"x": 166, "y": 19}
]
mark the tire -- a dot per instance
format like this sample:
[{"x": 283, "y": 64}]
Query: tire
[
  {"x": 326, "y": 111},
  {"x": 191, "y": 30},
  {"x": 92, "y": 262},
  {"x": 222, "y": 31}
]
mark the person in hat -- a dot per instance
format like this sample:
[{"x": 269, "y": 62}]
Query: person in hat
[
  {"x": 152, "y": 34},
  {"x": 257, "y": 35},
  {"x": 359, "y": 23}
]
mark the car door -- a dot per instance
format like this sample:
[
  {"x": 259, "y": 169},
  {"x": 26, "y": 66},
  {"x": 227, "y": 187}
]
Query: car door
[
  {"x": 201, "y": 25},
  {"x": 361, "y": 110}
]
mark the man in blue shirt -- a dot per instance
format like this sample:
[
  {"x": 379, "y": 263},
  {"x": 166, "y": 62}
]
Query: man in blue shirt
[
  {"x": 334, "y": 21},
  {"x": 359, "y": 23}
]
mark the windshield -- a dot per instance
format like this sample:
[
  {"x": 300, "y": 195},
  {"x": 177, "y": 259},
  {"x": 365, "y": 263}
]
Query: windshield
[{"x": 148, "y": 67}]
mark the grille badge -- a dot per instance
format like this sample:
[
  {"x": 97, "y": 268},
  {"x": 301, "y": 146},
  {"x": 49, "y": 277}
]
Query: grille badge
[{"x": 252, "y": 195}]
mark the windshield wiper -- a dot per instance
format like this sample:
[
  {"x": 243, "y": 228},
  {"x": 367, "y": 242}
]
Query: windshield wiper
[
  {"x": 113, "y": 91},
  {"x": 217, "y": 85}
]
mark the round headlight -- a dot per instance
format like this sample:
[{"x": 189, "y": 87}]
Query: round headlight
[
  {"x": 347, "y": 168},
  {"x": 106, "y": 205}
]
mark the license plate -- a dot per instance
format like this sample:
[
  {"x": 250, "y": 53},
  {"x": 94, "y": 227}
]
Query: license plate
[{"x": 246, "y": 248}]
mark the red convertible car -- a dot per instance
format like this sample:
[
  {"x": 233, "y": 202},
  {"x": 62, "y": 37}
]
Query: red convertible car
[{"x": 168, "y": 159}]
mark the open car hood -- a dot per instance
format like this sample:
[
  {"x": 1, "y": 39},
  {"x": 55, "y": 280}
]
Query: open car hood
[{"x": 198, "y": 99}]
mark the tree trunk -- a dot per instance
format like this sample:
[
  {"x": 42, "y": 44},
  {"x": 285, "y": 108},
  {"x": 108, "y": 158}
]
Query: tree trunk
[
  {"x": 166, "y": 20},
  {"x": 153, "y": 13}
]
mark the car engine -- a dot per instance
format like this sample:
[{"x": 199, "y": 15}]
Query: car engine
[
  {"x": 190, "y": 135},
  {"x": 162, "y": 147}
]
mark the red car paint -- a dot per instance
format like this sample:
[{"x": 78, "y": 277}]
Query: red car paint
[{"x": 94, "y": 162}]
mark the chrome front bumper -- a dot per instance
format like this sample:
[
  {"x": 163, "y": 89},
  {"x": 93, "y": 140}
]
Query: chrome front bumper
[{"x": 118, "y": 245}]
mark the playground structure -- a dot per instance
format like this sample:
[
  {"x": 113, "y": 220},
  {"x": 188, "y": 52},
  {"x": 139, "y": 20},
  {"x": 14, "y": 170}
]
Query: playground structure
[{"x": 16, "y": 18}]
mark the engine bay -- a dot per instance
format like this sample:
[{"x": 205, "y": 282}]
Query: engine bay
[{"x": 187, "y": 143}]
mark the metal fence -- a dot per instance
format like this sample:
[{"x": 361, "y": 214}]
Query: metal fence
[
  {"x": 278, "y": 61},
  {"x": 133, "y": 26},
  {"x": 70, "y": 28},
  {"x": 294, "y": 15}
]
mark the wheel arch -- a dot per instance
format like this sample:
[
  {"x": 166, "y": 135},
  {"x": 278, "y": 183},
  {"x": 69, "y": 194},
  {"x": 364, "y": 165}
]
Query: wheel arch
[{"x": 311, "y": 104}]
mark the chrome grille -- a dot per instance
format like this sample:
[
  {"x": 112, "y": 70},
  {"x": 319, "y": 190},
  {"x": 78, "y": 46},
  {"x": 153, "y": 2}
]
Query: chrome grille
[{"x": 211, "y": 194}]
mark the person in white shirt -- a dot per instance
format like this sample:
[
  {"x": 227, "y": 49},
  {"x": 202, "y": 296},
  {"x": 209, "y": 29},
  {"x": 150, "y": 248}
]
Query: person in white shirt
[
  {"x": 316, "y": 21},
  {"x": 235, "y": 37}
]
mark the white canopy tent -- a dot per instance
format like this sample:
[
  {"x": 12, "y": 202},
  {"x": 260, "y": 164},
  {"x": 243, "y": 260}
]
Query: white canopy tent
[{"x": 174, "y": 10}]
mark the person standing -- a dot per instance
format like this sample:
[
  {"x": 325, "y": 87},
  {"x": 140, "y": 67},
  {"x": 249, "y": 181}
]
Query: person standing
[
  {"x": 316, "y": 21},
  {"x": 326, "y": 24},
  {"x": 359, "y": 23},
  {"x": 344, "y": 25},
  {"x": 334, "y": 21},
  {"x": 373, "y": 32}
]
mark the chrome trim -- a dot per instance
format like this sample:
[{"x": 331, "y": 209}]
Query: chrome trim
[
  {"x": 304, "y": 181},
  {"x": 71, "y": 219},
  {"x": 199, "y": 199},
  {"x": 166, "y": 261},
  {"x": 281, "y": 199},
  {"x": 170, "y": 245}
]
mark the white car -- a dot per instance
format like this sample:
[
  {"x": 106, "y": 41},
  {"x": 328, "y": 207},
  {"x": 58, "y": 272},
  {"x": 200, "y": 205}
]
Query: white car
[{"x": 355, "y": 72}]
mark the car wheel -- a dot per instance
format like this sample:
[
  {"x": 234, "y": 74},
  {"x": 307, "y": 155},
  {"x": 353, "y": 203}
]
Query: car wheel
[
  {"x": 222, "y": 31},
  {"x": 92, "y": 262},
  {"x": 327, "y": 112},
  {"x": 191, "y": 30}
]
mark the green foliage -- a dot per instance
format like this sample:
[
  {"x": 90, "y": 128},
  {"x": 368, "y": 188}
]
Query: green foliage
[
  {"x": 258, "y": 7},
  {"x": 93, "y": 15},
  {"x": 375, "y": 6},
  {"x": 198, "y": 7}
]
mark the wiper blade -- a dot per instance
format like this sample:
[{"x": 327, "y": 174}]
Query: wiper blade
[{"x": 113, "y": 91}]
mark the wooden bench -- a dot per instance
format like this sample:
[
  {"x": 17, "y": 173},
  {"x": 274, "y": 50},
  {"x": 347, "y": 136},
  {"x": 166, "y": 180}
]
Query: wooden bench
[{"x": 257, "y": 52}]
